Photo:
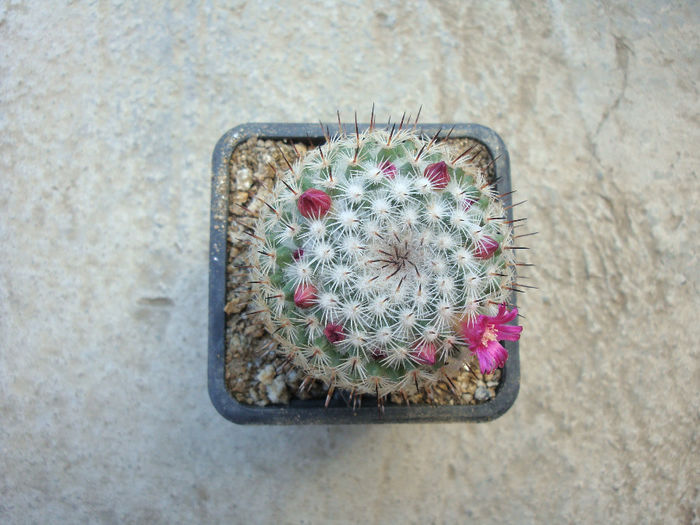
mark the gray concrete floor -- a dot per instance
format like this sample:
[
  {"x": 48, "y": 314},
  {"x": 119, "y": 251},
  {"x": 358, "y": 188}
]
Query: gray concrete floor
[{"x": 109, "y": 112}]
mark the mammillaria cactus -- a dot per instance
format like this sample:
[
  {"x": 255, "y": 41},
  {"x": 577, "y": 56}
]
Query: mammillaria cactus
[{"x": 382, "y": 261}]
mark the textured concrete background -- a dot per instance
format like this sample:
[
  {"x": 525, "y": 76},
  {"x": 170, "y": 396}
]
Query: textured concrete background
[{"x": 108, "y": 116}]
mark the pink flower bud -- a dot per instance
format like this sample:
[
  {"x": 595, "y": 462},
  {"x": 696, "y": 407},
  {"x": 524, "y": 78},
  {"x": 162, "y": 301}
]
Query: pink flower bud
[
  {"x": 425, "y": 353},
  {"x": 305, "y": 295},
  {"x": 485, "y": 248},
  {"x": 378, "y": 354},
  {"x": 388, "y": 169},
  {"x": 334, "y": 333},
  {"x": 467, "y": 203},
  {"x": 298, "y": 254},
  {"x": 314, "y": 203},
  {"x": 437, "y": 175}
]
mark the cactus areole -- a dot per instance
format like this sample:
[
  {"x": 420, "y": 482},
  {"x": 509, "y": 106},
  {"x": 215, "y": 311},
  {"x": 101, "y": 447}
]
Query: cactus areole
[{"x": 383, "y": 261}]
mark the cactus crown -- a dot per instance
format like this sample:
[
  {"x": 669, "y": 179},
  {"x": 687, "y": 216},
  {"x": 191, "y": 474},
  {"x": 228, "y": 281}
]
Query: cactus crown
[{"x": 380, "y": 260}]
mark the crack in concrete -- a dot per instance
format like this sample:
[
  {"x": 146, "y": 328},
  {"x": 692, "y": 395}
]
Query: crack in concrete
[{"x": 622, "y": 53}]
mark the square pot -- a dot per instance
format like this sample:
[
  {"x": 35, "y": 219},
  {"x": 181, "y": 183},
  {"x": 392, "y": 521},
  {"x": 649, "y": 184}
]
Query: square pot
[{"x": 338, "y": 412}]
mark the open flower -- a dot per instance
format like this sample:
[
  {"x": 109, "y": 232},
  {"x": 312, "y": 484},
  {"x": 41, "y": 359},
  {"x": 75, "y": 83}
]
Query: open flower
[
  {"x": 437, "y": 175},
  {"x": 314, "y": 203},
  {"x": 305, "y": 295},
  {"x": 483, "y": 333}
]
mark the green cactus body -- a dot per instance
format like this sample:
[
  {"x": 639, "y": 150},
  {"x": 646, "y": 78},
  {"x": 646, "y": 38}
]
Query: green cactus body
[{"x": 371, "y": 251}]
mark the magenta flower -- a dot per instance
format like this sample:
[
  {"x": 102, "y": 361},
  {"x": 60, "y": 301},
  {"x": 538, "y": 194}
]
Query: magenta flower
[
  {"x": 485, "y": 248},
  {"x": 483, "y": 333},
  {"x": 298, "y": 254},
  {"x": 314, "y": 203},
  {"x": 437, "y": 175},
  {"x": 334, "y": 333},
  {"x": 305, "y": 295},
  {"x": 388, "y": 169},
  {"x": 425, "y": 353}
]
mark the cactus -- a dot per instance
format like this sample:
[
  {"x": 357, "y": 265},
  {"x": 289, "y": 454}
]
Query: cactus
[{"x": 382, "y": 261}]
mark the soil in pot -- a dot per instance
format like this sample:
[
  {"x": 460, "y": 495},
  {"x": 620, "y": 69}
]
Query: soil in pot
[{"x": 255, "y": 373}]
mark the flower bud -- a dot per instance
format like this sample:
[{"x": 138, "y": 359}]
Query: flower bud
[
  {"x": 437, "y": 175},
  {"x": 305, "y": 295},
  {"x": 425, "y": 353},
  {"x": 378, "y": 354},
  {"x": 298, "y": 254},
  {"x": 388, "y": 169},
  {"x": 334, "y": 333},
  {"x": 485, "y": 248},
  {"x": 467, "y": 203},
  {"x": 314, "y": 203}
]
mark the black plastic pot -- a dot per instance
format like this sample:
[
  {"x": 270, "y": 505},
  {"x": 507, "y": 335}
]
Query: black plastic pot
[{"x": 338, "y": 412}]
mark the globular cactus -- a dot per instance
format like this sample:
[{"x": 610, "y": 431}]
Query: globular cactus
[{"x": 382, "y": 261}]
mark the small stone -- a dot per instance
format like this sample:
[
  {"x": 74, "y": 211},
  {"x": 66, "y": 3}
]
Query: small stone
[
  {"x": 254, "y": 331},
  {"x": 482, "y": 393},
  {"x": 240, "y": 197},
  {"x": 243, "y": 179},
  {"x": 267, "y": 375},
  {"x": 277, "y": 391}
]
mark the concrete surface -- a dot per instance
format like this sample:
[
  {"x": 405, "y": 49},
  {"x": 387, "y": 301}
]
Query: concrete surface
[{"x": 108, "y": 115}]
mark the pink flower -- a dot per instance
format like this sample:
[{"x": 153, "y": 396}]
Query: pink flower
[
  {"x": 425, "y": 353},
  {"x": 485, "y": 248},
  {"x": 334, "y": 333},
  {"x": 483, "y": 333},
  {"x": 437, "y": 175},
  {"x": 388, "y": 169},
  {"x": 305, "y": 295},
  {"x": 298, "y": 254},
  {"x": 314, "y": 203}
]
